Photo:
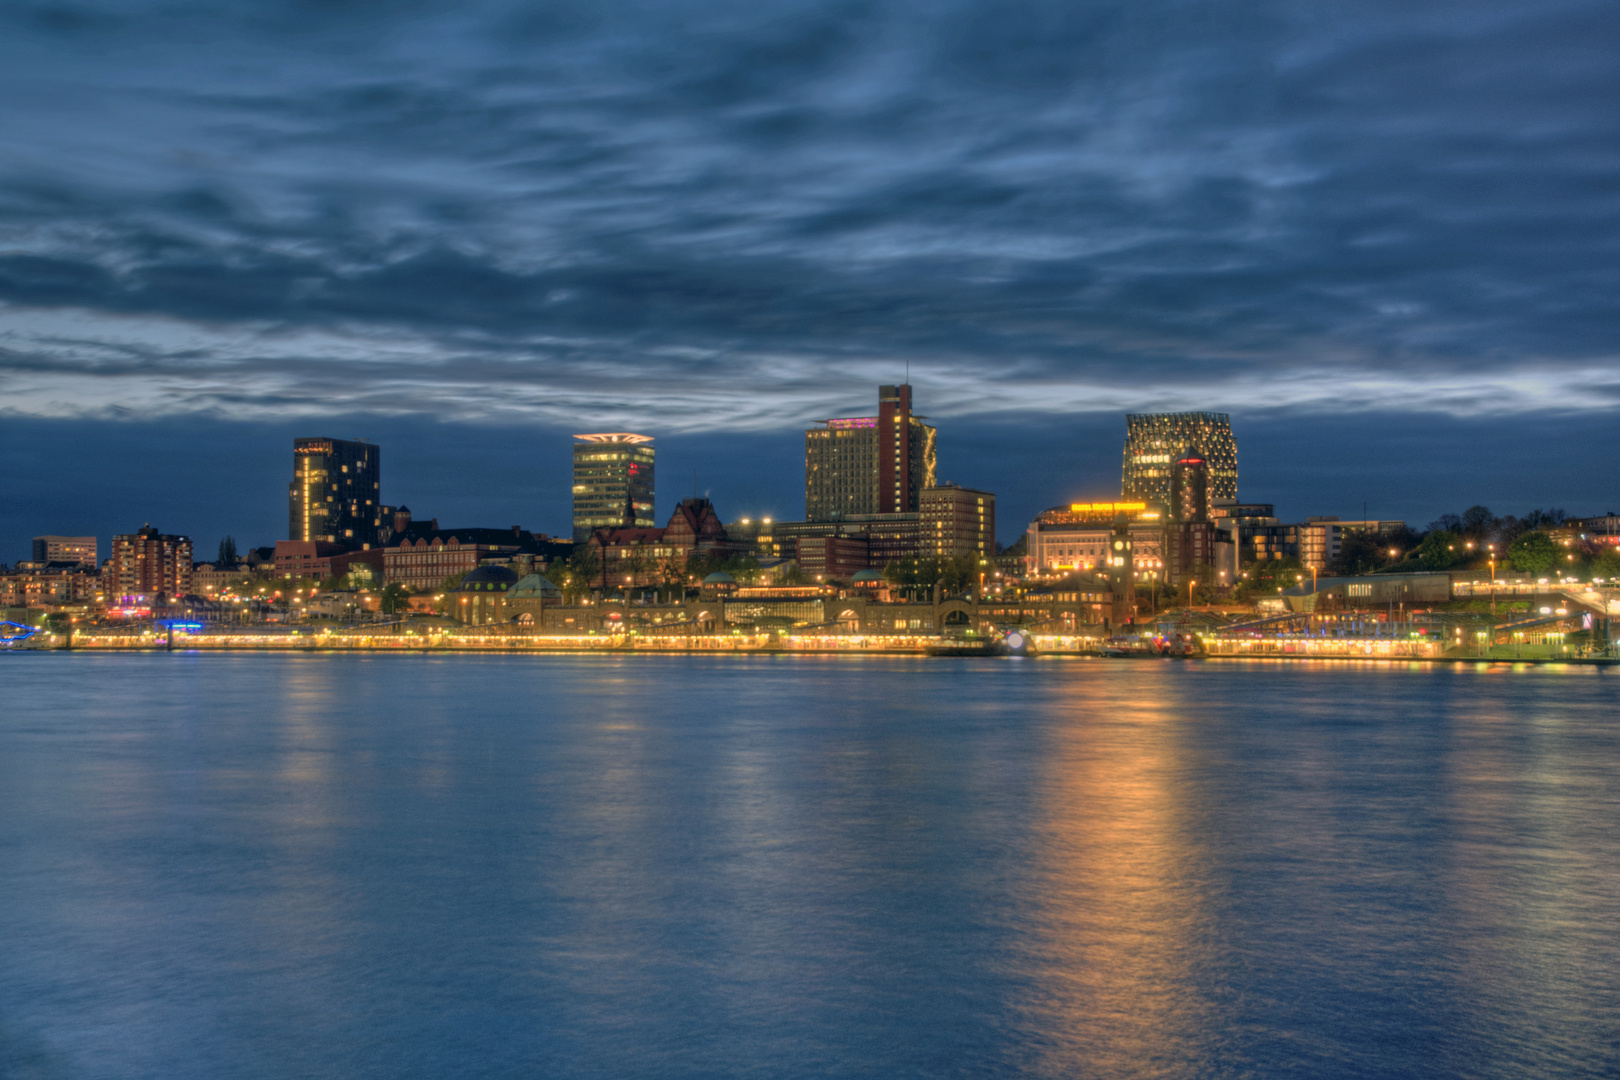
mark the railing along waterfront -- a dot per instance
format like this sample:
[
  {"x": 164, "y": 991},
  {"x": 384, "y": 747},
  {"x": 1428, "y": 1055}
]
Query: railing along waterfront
[
  {"x": 1346, "y": 648},
  {"x": 463, "y": 641}
]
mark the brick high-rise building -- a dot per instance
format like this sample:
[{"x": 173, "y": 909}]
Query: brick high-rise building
[
  {"x": 146, "y": 564},
  {"x": 335, "y": 492},
  {"x": 1189, "y": 536},
  {"x": 860, "y": 465}
]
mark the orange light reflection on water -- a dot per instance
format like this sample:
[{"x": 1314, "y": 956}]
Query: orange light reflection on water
[{"x": 1119, "y": 925}]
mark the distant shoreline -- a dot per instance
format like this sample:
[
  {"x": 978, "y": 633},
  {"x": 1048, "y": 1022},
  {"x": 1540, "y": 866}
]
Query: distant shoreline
[{"x": 920, "y": 649}]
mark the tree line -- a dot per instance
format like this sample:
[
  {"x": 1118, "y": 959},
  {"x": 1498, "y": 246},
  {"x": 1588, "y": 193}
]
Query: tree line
[{"x": 1469, "y": 540}]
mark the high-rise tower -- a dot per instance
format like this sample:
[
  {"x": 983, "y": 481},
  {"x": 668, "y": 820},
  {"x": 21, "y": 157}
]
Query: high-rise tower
[
  {"x": 613, "y": 482},
  {"x": 1154, "y": 441},
  {"x": 869, "y": 464},
  {"x": 1189, "y": 487},
  {"x": 335, "y": 491},
  {"x": 1189, "y": 537}
]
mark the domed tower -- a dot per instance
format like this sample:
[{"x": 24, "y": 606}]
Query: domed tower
[{"x": 481, "y": 597}]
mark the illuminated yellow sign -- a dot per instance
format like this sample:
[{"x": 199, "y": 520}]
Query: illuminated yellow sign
[{"x": 1107, "y": 508}]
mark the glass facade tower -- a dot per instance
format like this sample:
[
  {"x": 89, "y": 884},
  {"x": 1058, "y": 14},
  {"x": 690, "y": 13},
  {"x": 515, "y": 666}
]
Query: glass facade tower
[
  {"x": 613, "y": 482},
  {"x": 335, "y": 491}
]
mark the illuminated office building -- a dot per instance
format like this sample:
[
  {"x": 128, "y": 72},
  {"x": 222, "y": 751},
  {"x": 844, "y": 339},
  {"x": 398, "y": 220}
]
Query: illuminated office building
[
  {"x": 958, "y": 522},
  {"x": 335, "y": 492},
  {"x": 869, "y": 464},
  {"x": 613, "y": 483},
  {"x": 67, "y": 549},
  {"x": 1153, "y": 443}
]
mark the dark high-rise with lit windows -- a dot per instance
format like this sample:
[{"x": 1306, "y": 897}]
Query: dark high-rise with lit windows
[{"x": 335, "y": 492}]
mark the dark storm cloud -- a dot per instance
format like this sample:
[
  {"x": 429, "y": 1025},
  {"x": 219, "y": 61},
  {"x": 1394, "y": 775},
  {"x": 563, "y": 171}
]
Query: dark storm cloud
[{"x": 747, "y": 213}]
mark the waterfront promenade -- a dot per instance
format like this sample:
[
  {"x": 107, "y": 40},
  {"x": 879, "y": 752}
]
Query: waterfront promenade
[{"x": 1209, "y": 646}]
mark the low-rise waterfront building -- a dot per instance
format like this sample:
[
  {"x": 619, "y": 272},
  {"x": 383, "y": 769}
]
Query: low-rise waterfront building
[
  {"x": 1065, "y": 539},
  {"x": 849, "y": 611},
  {"x": 1371, "y": 591},
  {"x": 888, "y": 538},
  {"x": 643, "y": 557},
  {"x": 480, "y": 599},
  {"x": 211, "y": 579},
  {"x": 425, "y": 557},
  {"x": 833, "y": 558},
  {"x": 49, "y": 584}
]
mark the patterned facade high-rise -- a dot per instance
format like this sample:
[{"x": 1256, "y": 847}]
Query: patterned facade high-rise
[
  {"x": 335, "y": 492},
  {"x": 613, "y": 482},
  {"x": 1153, "y": 442},
  {"x": 869, "y": 464}
]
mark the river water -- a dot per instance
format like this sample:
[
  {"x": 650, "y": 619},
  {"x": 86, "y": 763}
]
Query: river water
[{"x": 494, "y": 866}]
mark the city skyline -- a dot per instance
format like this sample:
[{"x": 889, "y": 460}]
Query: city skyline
[
  {"x": 486, "y": 228},
  {"x": 766, "y": 479},
  {"x": 851, "y": 538}
]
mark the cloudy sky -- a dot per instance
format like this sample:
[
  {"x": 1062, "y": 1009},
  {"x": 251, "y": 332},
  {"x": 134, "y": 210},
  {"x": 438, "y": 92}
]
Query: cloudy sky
[{"x": 1384, "y": 236}]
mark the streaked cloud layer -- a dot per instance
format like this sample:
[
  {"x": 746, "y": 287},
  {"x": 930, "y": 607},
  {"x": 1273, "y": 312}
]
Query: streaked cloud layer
[{"x": 686, "y": 214}]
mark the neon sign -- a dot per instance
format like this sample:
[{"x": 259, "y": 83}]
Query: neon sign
[
  {"x": 1107, "y": 508},
  {"x": 9, "y": 631}
]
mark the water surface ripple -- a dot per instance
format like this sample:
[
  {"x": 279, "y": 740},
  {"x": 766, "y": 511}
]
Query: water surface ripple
[{"x": 490, "y": 866}]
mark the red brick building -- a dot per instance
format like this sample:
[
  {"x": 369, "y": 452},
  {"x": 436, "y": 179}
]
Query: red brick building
[
  {"x": 643, "y": 557},
  {"x": 833, "y": 558},
  {"x": 146, "y": 564}
]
